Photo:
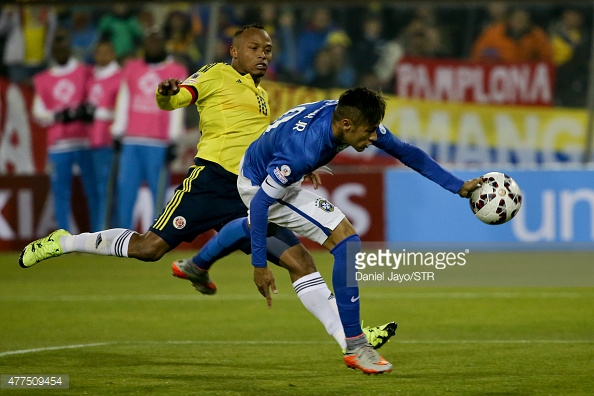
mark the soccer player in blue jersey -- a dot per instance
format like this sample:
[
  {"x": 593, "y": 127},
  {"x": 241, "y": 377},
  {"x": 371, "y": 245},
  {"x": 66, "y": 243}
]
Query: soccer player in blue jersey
[{"x": 297, "y": 143}]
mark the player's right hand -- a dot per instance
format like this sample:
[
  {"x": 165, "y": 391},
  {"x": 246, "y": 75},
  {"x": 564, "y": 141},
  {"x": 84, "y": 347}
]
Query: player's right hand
[
  {"x": 264, "y": 280},
  {"x": 169, "y": 87}
]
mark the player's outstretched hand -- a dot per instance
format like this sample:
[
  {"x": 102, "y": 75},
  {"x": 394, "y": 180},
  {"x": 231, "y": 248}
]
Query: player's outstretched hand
[
  {"x": 469, "y": 186},
  {"x": 264, "y": 280},
  {"x": 169, "y": 87},
  {"x": 315, "y": 177}
]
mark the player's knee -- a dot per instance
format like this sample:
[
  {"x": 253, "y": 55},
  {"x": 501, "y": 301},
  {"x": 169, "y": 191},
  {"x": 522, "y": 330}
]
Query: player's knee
[
  {"x": 344, "y": 230},
  {"x": 147, "y": 247},
  {"x": 298, "y": 261}
]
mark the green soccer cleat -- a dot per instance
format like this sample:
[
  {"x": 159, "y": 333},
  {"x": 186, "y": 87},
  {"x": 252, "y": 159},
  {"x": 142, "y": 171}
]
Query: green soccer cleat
[
  {"x": 379, "y": 335},
  {"x": 186, "y": 269},
  {"x": 42, "y": 249}
]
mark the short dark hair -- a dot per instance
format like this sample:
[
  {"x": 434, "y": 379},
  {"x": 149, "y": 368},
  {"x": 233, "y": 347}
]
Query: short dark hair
[
  {"x": 246, "y": 27},
  {"x": 361, "y": 105}
]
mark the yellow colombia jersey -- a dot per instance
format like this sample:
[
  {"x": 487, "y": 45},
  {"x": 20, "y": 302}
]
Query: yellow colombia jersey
[{"x": 233, "y": 112}]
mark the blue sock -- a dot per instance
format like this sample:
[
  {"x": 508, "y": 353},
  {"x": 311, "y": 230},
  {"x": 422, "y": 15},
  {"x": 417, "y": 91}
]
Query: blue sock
[
  {"x": 230, "y": 238},
  {"x": 348, "y": 309}
]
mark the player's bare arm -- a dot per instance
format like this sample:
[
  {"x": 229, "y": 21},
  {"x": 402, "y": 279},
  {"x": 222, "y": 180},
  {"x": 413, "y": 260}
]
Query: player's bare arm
[{"x": 468, "y": 187}]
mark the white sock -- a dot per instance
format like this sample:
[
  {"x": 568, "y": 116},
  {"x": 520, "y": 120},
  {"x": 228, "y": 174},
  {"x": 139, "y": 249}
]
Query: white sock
[
  {"x": 112, "y": 242},
  {"x": 314, "y": 294}
]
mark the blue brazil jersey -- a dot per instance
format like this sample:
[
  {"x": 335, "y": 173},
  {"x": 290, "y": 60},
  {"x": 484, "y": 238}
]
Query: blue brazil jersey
[{"x": 301, "y": 140}]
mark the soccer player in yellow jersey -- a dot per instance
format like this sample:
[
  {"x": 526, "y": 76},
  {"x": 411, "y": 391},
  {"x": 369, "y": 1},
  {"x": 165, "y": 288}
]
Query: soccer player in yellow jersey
[{"x": 233, "y": 113}]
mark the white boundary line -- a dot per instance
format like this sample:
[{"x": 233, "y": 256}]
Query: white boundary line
[
  {"x": 255, "y": 342},
  {"x": 290, "y": 296},
  {"x": 54, "y": 348}
]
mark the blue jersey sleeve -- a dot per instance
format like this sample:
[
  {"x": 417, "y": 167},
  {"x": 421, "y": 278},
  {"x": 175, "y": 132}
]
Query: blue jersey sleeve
[
  {"x": 288, "y": 167},
  {"x": 259, "y": 223},
  {"x": 416, "y": 159}
]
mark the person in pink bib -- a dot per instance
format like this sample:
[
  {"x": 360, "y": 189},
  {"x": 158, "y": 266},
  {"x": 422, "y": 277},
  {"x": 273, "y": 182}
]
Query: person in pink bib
[
  {"x": 103, "y": 88},
  {"x": 147, "y": 133},
  {"x": 59, "y": 104}
]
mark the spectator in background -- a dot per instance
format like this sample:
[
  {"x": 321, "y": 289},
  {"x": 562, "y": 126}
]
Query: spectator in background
[
  {"x": 123, "y": 29},
  {"x": 147, "y": 133},
  {"x": 322, "y": 75},
  {"x": 60, "y": 94},
  {"x": 437, "y": 35},
  {"x": 421, "y": 40},
  {"x": 27, "y": 32},
  {"x": 179, "y": 38},
  {"x": 332, "y": 67},
  {"x": 338, "y": 43},
  {"x": 84, "y": 34},
  {"x": 102, "y": 93},
  {"x": 571, "y": 54},
  {"x": 496, "y": 13},
  {"x": 367, "y": 47},
  {"x": 313, "y": 37},
  {"x": 514, "y": 40}
]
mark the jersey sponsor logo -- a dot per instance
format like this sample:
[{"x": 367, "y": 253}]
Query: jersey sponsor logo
[
  {"x": 382, "y": 129},
  {"x": 179, "y": 222},
  {"x": 192, "y": 79},
  {"x": 325, "y": 205},
  {"x": 279, "y": 175}
]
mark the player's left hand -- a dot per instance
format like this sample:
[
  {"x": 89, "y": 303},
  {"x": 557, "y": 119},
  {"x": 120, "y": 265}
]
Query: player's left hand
[
  {"x": 469, "y": 186},
  {"x": 264, "y": 280},
  {"x": 315, "y": 177}
]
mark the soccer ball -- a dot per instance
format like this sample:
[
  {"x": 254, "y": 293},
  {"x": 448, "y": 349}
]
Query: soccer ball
[{"x": 497, "y": 200}]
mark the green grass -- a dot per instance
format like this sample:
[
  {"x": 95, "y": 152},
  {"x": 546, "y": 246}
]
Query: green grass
[{"x": 140, "y": 331}]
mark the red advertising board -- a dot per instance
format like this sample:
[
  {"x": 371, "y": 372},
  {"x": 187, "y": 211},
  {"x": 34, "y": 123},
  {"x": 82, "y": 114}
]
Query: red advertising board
[
  {"x": 463, "y": 81},
  {"x": 22, "y": 141},
  {"x": 360, "y": 196}
]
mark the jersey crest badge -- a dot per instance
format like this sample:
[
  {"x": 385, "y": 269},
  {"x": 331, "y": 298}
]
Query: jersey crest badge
[
  {"x": 325, "y": 205},
  {"x": 285, "y": 170},
  {"x": 179, "y": 222},
  {"x": 382, "y": 129}
]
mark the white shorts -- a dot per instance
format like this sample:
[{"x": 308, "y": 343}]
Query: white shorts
[{"x": 299, "y": 210}]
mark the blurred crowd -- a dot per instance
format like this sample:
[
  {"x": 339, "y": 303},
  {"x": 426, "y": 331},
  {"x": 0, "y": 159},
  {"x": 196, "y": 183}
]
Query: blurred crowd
[
  {"x": 338, "y": 46},
  {"x": 94, "y": 71}
]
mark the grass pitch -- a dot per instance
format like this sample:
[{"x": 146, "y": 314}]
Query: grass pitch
[{"x": 119, "y": 327}]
